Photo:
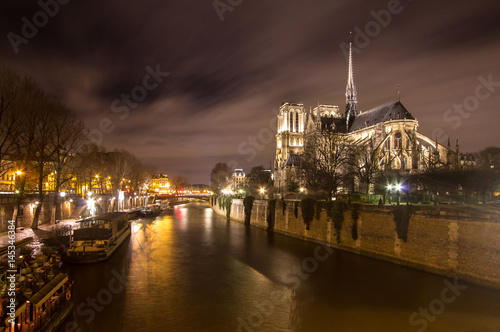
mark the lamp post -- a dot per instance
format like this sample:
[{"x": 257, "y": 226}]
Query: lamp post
[
  {"x": 389, "y": 188},
  {"x": 19, "y": 182},
  {"x": 398, "y": 192}
]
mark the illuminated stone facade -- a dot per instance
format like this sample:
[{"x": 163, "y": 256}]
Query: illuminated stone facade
[{"x": 389, "y": 131}]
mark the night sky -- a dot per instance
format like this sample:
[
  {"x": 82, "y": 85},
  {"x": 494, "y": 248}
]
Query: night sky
[{"x": 227, "y": 77}]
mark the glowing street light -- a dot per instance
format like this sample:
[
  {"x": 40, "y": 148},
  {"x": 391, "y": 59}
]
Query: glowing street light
[
  {"x": 91, "y": 206},
  {"x": 398, "y": 188}
]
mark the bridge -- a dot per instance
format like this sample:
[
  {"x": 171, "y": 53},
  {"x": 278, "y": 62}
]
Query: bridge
[{"x": 200, "y": 196}]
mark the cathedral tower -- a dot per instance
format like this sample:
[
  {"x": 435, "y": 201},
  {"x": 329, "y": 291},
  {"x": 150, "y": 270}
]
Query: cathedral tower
[
  {"x": 351, "y": 99},
  {"x": 290, "y": 133}
]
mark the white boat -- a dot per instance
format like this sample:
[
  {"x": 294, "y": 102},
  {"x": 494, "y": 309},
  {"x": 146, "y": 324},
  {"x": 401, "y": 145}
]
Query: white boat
[
  {"x": 150, "y": 211},
  {"x": 164, "y": 205},
  {"x": 98, "y": 237}
]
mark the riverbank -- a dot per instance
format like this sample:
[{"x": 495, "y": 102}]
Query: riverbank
[{"x": 448, "y": 242}]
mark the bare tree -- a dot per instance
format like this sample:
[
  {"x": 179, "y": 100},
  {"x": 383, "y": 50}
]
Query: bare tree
[
  {"x": 140, "y": 176},
  {"x": 489, "y": 158},
  {"x": 258, "y": 178},
  {"x": 90, "y": 164},
  {"x": 363, "y": 163},
  {"x": 65, "y": 142},
  {"x": 179, "y": 182},
  {"x": 220, "y": 176},
  {"x": 120, "y": 163},
  {"x": 325, "y": 160},
  {"x": 27, "y": 108},
  {"x": 45, "y": 115},
  {"x": 10, "y": 89}
]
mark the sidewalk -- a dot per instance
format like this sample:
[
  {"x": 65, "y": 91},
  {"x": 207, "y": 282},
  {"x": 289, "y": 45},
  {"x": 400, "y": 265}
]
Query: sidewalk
[{"x": 42, "y": 232}]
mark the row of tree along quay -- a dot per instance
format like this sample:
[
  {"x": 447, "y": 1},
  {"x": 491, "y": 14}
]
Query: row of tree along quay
[
  {"x": 44, "y": 144},
  {"x": 332, "y": 166}
]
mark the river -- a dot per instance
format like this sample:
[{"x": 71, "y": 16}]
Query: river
[{"x": 192, "y": 270}]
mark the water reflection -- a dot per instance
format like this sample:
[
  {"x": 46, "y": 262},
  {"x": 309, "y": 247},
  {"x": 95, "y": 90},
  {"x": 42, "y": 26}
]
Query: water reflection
[{"x": 192, "y": 270}]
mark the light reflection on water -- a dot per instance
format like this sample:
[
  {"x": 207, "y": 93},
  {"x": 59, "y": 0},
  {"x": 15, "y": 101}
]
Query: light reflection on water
[{"x": 193, "y": 271}]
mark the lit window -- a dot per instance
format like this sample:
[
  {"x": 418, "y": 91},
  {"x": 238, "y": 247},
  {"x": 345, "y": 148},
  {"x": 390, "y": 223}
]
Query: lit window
[
  {"x": 388, "y": 143},
  {"x": 397, "y": 140}
]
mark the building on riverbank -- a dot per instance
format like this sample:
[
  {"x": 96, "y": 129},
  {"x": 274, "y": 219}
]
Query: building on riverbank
[
  {"x": 389, "y": 133},
  {"x": 159, "y": 184}
]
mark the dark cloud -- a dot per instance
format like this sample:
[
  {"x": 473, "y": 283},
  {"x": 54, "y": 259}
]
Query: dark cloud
[{"x": 227, "y": 77}]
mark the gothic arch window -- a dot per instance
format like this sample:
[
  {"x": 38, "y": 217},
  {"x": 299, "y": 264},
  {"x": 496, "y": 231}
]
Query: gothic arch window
[
  {"x": 396, "y": 163},
  {"x": 388, "y": 143},
  {"x": 297, "y": 122},
  {"x": 397, "y": 140},
  {"x": 291, "y": 121}
]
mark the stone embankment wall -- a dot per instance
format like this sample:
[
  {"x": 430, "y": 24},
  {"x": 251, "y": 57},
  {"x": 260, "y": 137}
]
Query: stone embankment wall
[
  {"x": 448, "y": 242},
  {"x": 69, "y": 208},
  {"x": 28, "y": 206}
]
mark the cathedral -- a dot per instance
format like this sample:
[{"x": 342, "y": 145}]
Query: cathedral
[{"x": 388, "y": 130}]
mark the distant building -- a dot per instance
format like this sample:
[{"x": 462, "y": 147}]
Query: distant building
[
  {"x": 390, "y": 130},
  {"x": 7, "y": 181},
  {"x": 159, "y": 184},
  {"x": 239, "y": 179}
]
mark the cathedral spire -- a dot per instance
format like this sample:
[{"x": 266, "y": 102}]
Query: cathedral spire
[{"x": 351, "y": 99}]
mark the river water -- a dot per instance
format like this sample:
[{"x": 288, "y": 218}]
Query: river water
[{"x": 192, "y": 270}]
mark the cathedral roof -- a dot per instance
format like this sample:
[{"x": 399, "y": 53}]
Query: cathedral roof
[
  {"x": 292, "y": 160},
  {"x": 383, "y": 113},
  {"x": 332, "y": 124}
]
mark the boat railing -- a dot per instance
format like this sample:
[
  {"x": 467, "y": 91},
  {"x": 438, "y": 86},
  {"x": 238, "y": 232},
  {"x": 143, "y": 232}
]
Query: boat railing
[{"x": 37, "y": 312}]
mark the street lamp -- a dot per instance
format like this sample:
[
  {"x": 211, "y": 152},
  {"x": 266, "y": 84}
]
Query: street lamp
[
  {"x": 91, "y": 206},
  {"x": 262, "y": 192},
  {"x": 398, "y": 187},
  {"x": 389, "y": 188}
]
